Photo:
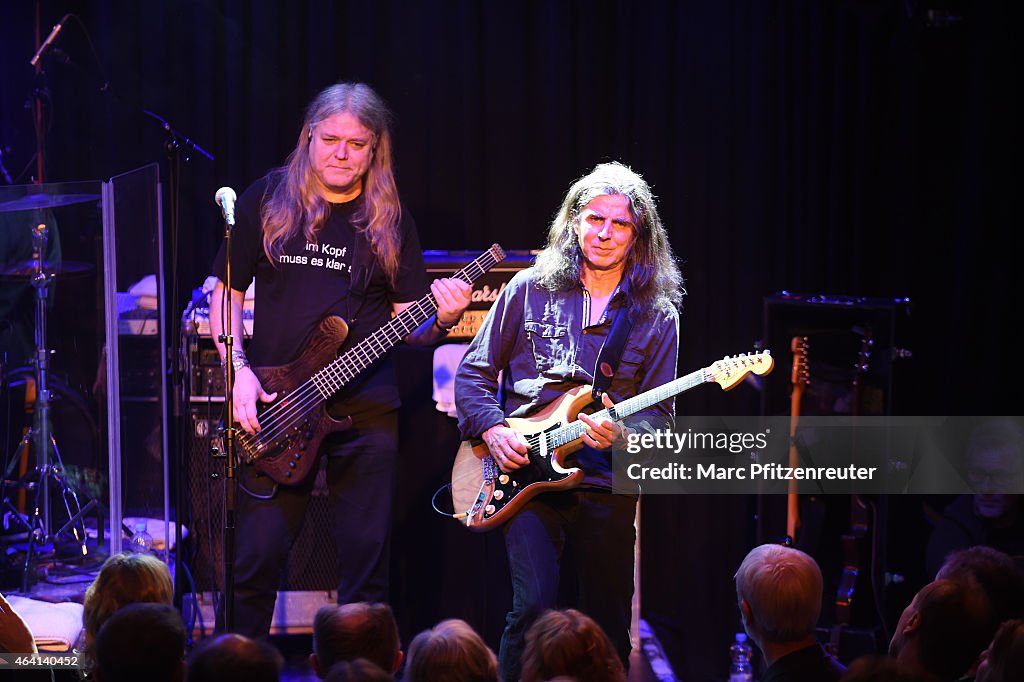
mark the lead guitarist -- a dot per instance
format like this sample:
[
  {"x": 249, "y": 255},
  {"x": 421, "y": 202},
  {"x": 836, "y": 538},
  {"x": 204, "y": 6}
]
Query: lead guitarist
[
  {"x": 325, "y": 234},
  {"x": 607, "y": 254}
]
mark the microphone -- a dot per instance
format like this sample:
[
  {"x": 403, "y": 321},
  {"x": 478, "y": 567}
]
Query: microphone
[
  {"x": 49, "y": 39},
  {"x": 225, "y": 198}
]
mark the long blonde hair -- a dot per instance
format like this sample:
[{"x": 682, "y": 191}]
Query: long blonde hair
[{"x": 294, "y": 206}]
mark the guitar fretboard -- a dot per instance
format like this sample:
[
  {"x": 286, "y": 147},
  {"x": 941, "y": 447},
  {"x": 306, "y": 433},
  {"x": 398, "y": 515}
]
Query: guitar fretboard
[
  {"x": 573, "y": 430},
  {"x": 346, "y": 367}
]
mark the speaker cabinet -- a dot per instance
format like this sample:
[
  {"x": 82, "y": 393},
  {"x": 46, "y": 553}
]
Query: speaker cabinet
[{"x": 311, "y": 563}]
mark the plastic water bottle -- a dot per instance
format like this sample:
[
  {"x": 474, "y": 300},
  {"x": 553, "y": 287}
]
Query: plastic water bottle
[
  {"x": 142, "y": 541},
  {"x": 741, "y": 654}
]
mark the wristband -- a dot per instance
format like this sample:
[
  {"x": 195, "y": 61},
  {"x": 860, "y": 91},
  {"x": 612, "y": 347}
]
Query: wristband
[
  {"x": 238, "y": 360},
  {"x": 443, "y": 330}
]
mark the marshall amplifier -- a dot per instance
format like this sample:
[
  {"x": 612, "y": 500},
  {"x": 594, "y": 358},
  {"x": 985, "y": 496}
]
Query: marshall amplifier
[
  {"x": 202, "y": 365},
  {"x": 485, "y": 289}
]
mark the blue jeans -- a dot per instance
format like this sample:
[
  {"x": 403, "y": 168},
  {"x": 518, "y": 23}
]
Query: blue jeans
[
  {"x": 360, "y": 481},
  {"x": 596, "y": 528}
]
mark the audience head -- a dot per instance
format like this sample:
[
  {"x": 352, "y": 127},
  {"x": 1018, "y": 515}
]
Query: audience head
[
  {"x": 451, "y": 651},
  {"x": 358, "y": 670},
  {"x": 234, "y": 658},
  {"x": 992, "y": 571},
  {"x": 779, "y": 591},
  {"x": 1004, "y": 658},
  {"x": 357, "y": 630},
  {"x": 142, "y": 642},
  {"x": 944, "y": 629},
  {"x": 569, "y": 643},
  {"x": 995, "y": 468},
  {"x": 123, "y": 579}
]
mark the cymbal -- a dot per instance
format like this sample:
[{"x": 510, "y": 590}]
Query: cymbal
[
  {"x": 37, "y": 201},
  {"x": 27, "y": 268}
]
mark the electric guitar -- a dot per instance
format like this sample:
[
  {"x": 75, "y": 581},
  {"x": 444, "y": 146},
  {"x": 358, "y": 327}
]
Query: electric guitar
[
  {"x": 799, "y": 379},
  {"x": 484, "y": 497},
  {"x": 296, "y": 422},
  {"x": 860, "y": 521}
]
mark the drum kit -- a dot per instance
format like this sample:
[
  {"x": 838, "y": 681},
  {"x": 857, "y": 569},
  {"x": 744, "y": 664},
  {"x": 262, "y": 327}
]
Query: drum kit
[{"x": 46, "y": 482}]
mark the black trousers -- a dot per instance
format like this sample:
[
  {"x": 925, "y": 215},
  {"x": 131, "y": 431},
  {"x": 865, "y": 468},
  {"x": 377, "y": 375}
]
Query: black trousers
[
  {"x": 360, "y": 479},
  {"x": 597, "y": 529}
]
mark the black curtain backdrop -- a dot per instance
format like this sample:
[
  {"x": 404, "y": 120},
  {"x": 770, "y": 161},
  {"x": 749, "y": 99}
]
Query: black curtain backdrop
[{"x": 855, "y": 147}]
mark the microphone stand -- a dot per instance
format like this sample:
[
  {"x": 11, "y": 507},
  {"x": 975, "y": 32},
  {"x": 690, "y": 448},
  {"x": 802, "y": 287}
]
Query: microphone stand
[
  {"x": 39, "y": 91},
  {"x": 227, "y": 338},
  {"x": 178, "y": 148}
]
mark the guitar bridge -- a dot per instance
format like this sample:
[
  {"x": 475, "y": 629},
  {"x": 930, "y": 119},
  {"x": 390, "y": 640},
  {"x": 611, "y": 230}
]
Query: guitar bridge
[{"x": 490, "y": 469}]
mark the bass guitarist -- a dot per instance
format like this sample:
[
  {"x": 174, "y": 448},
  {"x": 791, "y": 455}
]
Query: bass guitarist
[
  {"x": 325, "y": 235},
  {"x": 607, "y": 254}
]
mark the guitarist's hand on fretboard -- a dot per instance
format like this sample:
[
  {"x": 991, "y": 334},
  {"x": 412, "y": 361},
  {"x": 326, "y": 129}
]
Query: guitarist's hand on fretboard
[
  {"x": 603, "y": 434},
  {"x": 453, "y": 297},
  {"x": 507, "y": 447},
  {"x": 247, "y": 391}
]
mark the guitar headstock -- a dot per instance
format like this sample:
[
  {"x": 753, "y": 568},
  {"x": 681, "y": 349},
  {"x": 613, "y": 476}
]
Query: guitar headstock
[
  {"x": 729, "y": 371},
  {"x": 867, "y": 342},
  {"x": 497, "y": 253},
  {"x": 801, "y": 363}
]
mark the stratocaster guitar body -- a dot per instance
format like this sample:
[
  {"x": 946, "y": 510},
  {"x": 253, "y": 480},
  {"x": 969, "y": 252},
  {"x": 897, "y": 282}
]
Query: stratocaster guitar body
[
  {"x": 484, "y": 497},
  {"x": 502, "y": 495},
  {"x": 291, "y": 454}
]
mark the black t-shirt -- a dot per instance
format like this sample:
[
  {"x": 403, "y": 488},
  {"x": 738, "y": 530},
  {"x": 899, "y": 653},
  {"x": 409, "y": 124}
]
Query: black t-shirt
[{"x": 336, "y": 275}]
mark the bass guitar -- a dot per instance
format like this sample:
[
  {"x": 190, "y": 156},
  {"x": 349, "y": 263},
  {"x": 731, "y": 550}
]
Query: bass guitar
[
  {"x": 296, "y": 422},
  {"x": 484, "y": 497}
]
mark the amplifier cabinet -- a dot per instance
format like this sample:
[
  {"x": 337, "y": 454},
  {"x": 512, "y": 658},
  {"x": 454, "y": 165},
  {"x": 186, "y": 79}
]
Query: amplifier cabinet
[
  {"x": 311, "y": 563},
  {"x": 850, "y": 339},
  {"x": 485, "y": 290}
]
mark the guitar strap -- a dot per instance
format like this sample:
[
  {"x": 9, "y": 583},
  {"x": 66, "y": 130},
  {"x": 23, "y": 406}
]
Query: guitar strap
[
  {"x": 359, "y": 280},
  {"x": 611, "y": 352}
]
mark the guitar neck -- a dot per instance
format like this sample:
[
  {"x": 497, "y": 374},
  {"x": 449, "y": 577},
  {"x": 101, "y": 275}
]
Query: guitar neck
[
  {"x": 570, "y": 432},
  {"x": 347, "y": 366}
]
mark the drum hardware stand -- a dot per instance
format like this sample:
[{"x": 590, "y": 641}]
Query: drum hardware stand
[{"x": 40, "y": 439}]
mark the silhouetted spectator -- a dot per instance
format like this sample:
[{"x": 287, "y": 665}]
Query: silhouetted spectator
[
  {"x": 15, "y": 635},
  {"x": 357, "y": 630},
  {"x": 1003, "y": 661},
  {"x": 779, "y": 591},
  {"x": 451, "y": 651},
  {"x": 358, "y": 670},
  {"x": 991, "y": 570},
  {"x": 234, "y": 658},
  {"x": 943, "y": 630},
  {"x": 141, "y": 642},
  {"x": 994, "y": 514},
  {"x": 569, "y": 643}
]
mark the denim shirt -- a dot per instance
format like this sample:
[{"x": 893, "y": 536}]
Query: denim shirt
[{"x": 543, "y": 345}]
